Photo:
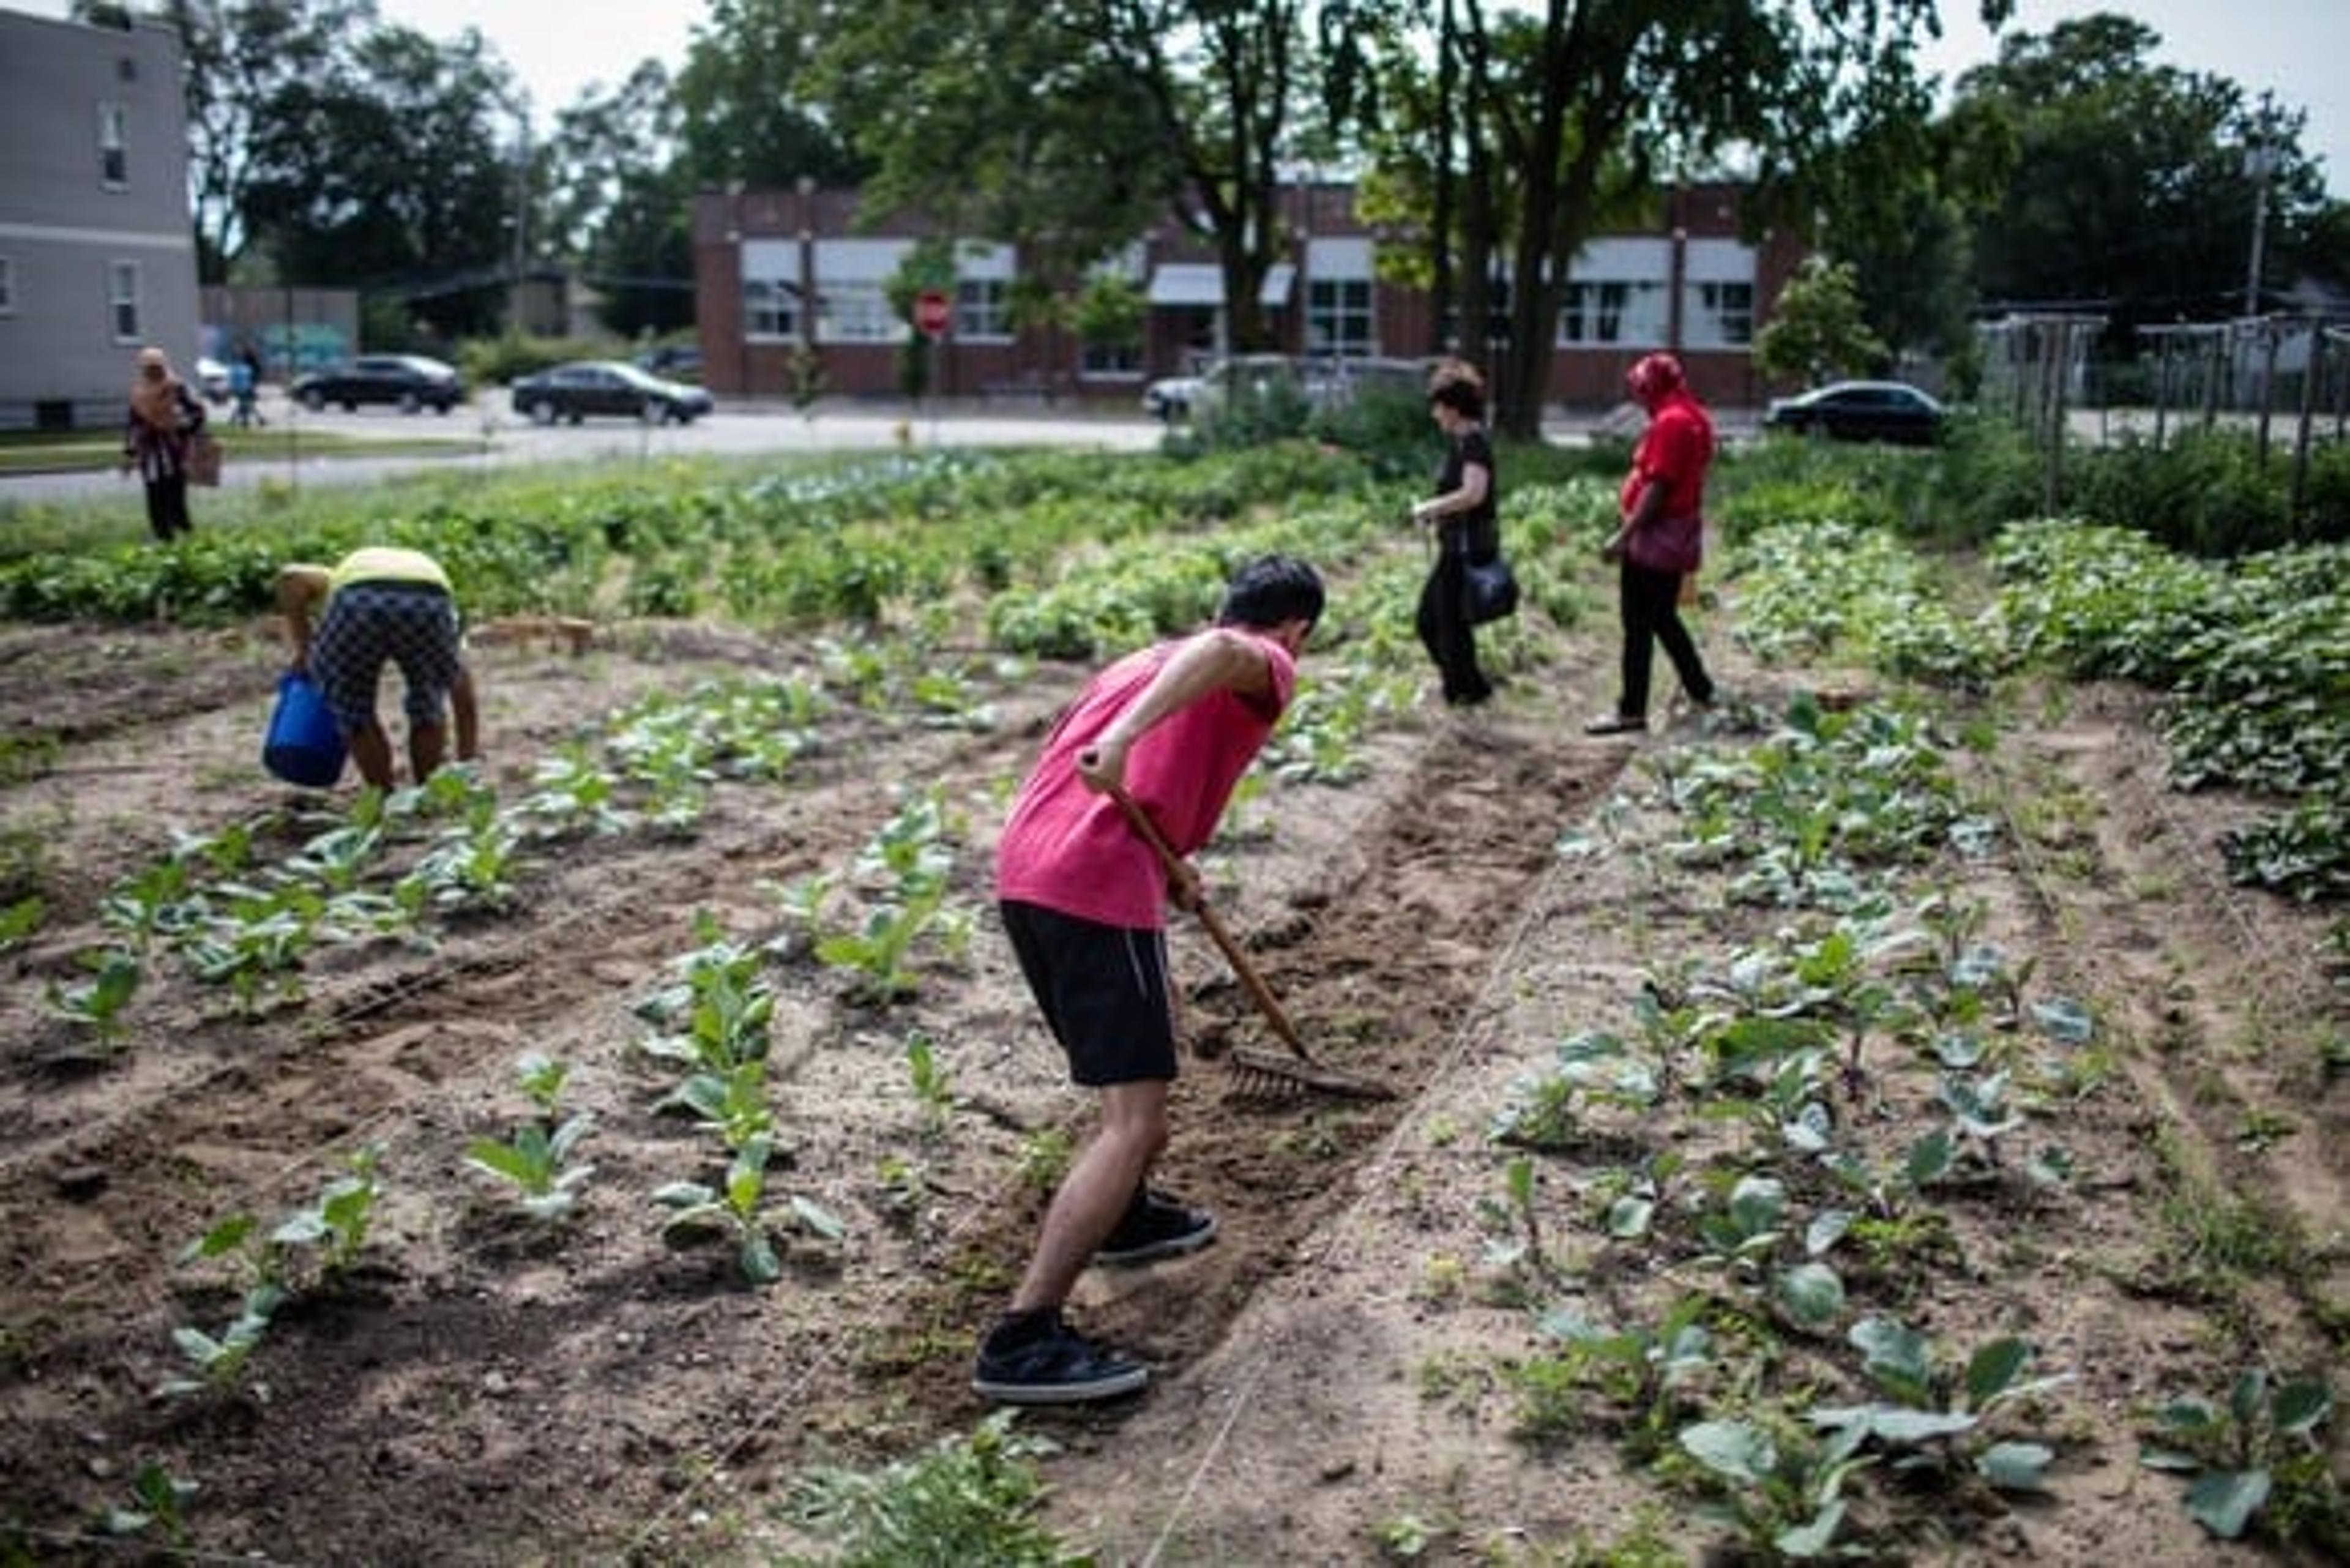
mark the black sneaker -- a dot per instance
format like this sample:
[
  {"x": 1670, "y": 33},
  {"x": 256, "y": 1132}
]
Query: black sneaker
[
  {"x": 1060, "y": 1367},
  {"x": 1158, "y": 1227}
]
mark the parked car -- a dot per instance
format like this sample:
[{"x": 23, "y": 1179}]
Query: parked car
[
  {"x": 672, "y": 361},
  {"x": 1172, "y": 398},
  {"x": 606, "y": 386},
  {"x": 406, "y": 382},
  {"x": 1860, "y": 410},
  {"x": 212, "y": 379}
]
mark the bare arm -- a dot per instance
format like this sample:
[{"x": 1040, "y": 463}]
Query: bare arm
[
  {"x": 300, "y": 590},
  {"x": 1646, "y": 509},
  {"x": 1476, "y": 481},
  {"x": 1219, "y": 660}
]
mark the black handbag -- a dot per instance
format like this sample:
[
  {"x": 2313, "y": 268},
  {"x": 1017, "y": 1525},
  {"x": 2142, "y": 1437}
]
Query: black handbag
[{"x": 1493, "y": 590}]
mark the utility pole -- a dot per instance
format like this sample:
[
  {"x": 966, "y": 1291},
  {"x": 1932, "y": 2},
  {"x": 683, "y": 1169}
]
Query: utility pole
[{"x": 2259, "y": 162}]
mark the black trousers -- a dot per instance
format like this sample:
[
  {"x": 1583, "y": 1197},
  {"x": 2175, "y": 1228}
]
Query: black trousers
[
  {"x": 1444, "y": 630},
  {"x": 1651, "y": 602},
  {"x": 167, "y": 506}
]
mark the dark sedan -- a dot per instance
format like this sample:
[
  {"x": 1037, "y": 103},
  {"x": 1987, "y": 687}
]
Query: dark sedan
[
  {"x": 1860, "y": 410},
  {"x": 406, "y": 382},
  {"x": 606, "y": 386}
]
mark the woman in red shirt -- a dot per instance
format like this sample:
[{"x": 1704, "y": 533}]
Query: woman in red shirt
[{"x": 1661, "y": 540}]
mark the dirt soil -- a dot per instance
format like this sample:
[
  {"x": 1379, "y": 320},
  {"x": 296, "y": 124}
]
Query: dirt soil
[{"x": 483, "y": 1390}]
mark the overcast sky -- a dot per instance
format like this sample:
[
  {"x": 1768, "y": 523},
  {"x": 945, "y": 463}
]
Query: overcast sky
[{"x": 2298, "y": 49}]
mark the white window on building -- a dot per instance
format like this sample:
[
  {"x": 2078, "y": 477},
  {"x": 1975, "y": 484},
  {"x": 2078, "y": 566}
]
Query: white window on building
[
  {"x": 122, "y": 299},
  {"x": 852, "y": 302},
  {"x": 1629, "y": 313},
  {"x": 113, "y": 146},
  {"x": 1718, "y": 294},
  {"x": 983, "y": 292},
  {"x": 7, "y": 286},
  {"x": 979, "y": 309},
  {"x": 771, "y": 289},
  {"x": 1618, "y": 294},
  {"x": 1719, "y": 316},
  {"x": 771, "y": 308},
  {"x": 1340, "y": 317},
  {"x": 856, "y": 313}
]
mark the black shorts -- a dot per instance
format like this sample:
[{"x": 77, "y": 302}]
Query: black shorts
[{"x": 1103, "y": 990}]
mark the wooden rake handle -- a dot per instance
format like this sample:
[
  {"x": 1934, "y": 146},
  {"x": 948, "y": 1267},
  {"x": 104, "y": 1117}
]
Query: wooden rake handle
[{"x": 1260, "y": 992}]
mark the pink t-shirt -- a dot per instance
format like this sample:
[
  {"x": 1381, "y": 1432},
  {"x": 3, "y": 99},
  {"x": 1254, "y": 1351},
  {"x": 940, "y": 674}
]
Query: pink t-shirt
[{"x": 1068, "y": 849}]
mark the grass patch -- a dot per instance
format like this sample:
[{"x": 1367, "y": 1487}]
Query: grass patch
[
  {"x": 97, "y": 452},
  {"x": 969, "y": 1500}
]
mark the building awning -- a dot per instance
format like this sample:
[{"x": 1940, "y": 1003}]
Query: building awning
[
  {"x": 1202, "y": 284},
  {"x": 1187, "y": 283}
]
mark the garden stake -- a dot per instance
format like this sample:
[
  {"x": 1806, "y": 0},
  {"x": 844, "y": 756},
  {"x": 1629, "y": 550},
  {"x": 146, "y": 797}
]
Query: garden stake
[{"x": 1255, "y": 1074}]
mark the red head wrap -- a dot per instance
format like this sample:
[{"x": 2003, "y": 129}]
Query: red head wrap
[{"x": 1656, "y": 376}]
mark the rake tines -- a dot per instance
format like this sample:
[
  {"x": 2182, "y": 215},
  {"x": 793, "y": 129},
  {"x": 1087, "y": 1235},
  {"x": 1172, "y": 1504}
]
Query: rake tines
[{"x": 1257, "y": 1075}]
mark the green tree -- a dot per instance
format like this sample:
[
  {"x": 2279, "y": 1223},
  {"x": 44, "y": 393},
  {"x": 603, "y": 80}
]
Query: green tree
[
  {"x": 744, "y": 96},
  {"x": 1064, "y": 125},
  {"x": 239, "y": 58},
  {"x": 387, "y": 172},
  {"x": 1561, "y": 115},
  {"x": 2132, "y": 181},
  {"x": 999, "y": 120},
  {"x": 618, "y": 204},
  {"x": 1818, "y": 330}
]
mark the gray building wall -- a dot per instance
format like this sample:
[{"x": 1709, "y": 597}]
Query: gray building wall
[{"x": 97, "y": 258}]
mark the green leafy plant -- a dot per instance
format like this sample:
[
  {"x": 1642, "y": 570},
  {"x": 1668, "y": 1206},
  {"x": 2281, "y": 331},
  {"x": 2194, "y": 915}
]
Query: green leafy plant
[
  {"x": 1045, "y": 1158},
  {"x": 159, "y": 1502},
  {"x": 537, "y": 1163},
  {"x": 1543, "y": 1110},
  {"x": 219, "y": 1362},
  {"x": 968, "y": 1499},
  {"x": 933, "y": 1090},
  {"x": 96, "y": 1004},
  {"x": 20, "y": 920},
  {"x": 2257, "y": 1456},
  {"x": 1782, "y": 1489},
  {"x": 1646, "y": 1376},
  {"x": 337, "y": 1221},
  {"x": 700, "y": 1213},
  {"x": 1932, "y": 1408},
  {"x": 732, "y": 1103},
  {"x": 719, "y": 998}
]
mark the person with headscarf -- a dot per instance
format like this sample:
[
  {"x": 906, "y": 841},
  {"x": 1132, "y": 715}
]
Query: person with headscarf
[
  {"x": 164, "y": 420},
  {"x": 1661, "y": 540}
]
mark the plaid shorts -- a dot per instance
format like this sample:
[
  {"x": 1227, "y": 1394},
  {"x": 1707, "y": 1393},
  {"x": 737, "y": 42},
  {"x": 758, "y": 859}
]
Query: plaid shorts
[{"x": 412, "y": 625}]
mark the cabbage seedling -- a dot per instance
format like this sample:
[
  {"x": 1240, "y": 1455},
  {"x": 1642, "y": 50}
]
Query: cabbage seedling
[
  {"x": 537, "y": 1163},
  {"x": 97, "y": 1003}
]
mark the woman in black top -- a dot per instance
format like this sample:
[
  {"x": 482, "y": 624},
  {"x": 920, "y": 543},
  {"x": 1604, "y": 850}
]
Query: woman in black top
[{"x": 1461, "y": 511}]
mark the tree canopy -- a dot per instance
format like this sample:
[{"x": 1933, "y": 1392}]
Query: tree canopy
[{"x": 2133, "y": 184}]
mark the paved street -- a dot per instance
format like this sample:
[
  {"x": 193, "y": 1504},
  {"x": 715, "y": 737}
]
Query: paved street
[{"x": 501, "y": 439}]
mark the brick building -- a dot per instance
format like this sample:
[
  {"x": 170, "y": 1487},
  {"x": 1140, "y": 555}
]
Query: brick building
[{"x": 777, "y": 272}]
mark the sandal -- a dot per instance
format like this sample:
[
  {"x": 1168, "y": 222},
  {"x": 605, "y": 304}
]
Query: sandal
[{"x": 1616, "y": 724}]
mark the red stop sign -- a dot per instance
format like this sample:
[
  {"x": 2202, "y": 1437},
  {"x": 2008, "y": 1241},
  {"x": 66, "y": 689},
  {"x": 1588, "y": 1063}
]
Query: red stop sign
[{"x": 932, "y": 311}]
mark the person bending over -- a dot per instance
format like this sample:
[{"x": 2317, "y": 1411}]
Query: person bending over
[{"x": 1083, "y": 899}]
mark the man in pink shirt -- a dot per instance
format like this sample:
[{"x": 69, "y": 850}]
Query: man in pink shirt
[{"x": 1084, "y": 898}]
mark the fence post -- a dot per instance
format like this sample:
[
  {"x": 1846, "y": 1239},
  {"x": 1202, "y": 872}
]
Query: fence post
[
  {"x": 2269, "y": 340},
  {"x": 2311, "y": 371}
]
